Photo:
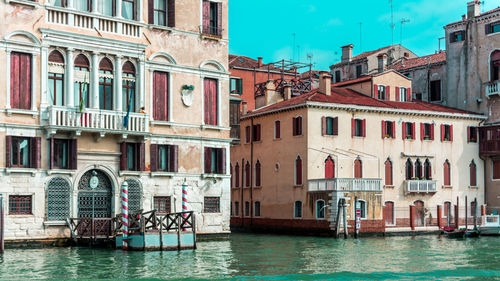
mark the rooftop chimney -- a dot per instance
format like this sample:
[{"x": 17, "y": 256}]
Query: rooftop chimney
[
  {"x": 287, "y": 91},
  {"x": 347, "y": 52},
  {"x": 382, "y": 62},
  {"x": 325, "y": 83},
  {"x": 259, "y": 62},
  {"x": 473, "y": 9}
]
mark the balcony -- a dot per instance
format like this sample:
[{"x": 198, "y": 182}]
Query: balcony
[
  {"x": 492, "y": 88},
  {"x": 489, "y": 140},
  {"x": 96, "y": 120},
  {"x": 345, "y": 184},
  {"x": 420, "y": 186}
]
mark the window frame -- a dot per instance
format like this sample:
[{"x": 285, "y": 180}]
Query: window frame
[
  {"x": 493, "y": 169},
  {"x": 321, "y": 211},
  {"x": 257, "y": 210},
  {"x": 157, "y": 201},
  {"x": 13, "y": 150},
  {"x": 238, "y": 86},
  {"x": 207, "y": 209},
  {"x": 403, "y": 94},
  {"x": 359, "y": 130},
  {"x": 454, "y": 36},
  {"x": 296, "y": 209},
  {"x": 431, "y": 99},
  {"x": 57, "y": 144},
  {"x": 297, "y": 129},
  {"x": 296, "y": 172},
  {"x": 364, "y": 209},
  {"x": 247, "y": 209},
  {"x": 382, "y": 92},
  {"x": 447, "y": 170},
  {"x": 134, "y": 9},
  {"x": 18, "y": 208},
  {"x": 277, "y": 129}
]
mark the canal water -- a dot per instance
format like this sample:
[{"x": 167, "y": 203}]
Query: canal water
[{"x": 268, "y": 257}]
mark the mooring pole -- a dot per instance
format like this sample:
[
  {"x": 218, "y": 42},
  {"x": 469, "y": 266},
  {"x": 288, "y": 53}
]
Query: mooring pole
[
  {"x": 466, "y": 215},
  {"x": 475, "y": 213},
  {"x": 346, "y": 234},
  {"x": 357, "y": 217},
  {"x": 125, "y": 215},
  {"x": 1, "y": 224},
  {"x": 184, "y": 202}
]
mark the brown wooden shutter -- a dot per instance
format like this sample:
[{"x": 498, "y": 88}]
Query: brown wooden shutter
[
  {"x": 278, "y": 129},
  {"x": 432, "y": 131},
  {"x": 171, "y": 13},
  {"x": 36, "y": 146},
  {"x": 446, "y": 167},
  {"x": 363, "y": 126},
  {"x": 74, "y": 154},
  {"x": 451, "y": 132},
  {"x": 487, "y": 28},
  {"x": 208, "y": 158},
  {"x": 174, "y": 159},
  {"x": 473, "y": 181},
  {"x": 153, "y": 158},
  {"x": 299, "y": 125},
  {"x": 294, "y": 126},
  {"x": 468, "y": 134},
  {"x": 353, "y": 127},
  {"x": 221, "y": 165},
  {"x": 206, "y": 17},
  {"x": 422, "y": 131},
  {"x": 336, "y": 126},
  {"x": 404, "y": 130},
  {"x": 323, "y": 125},
  {"x": 442, "y": 132},
  {"x": 259, "y": 137},
  {"x": 413, "y": 137},
  {"x": 393, "y": 129},
  {"x": 141, "y": 148},
  {"x": 388, "y": 93},
  {"x": 375, "y": 91},
  {"x": 219, "y": 19},
  {"x": 388, "y": 173},
  {"x": 8, "y": 149},
  {"x": 123, "y": 156},
  {"x": 397, "y": 93},
  {"x": 408, "y": 93},
  {"x": 496, "y": 169},
  {"x": 383, "y": 129},
  {"x": 151, "y": 7},
  {"x": 298, "y": 171},
  {"x": 51, "y": 157}
]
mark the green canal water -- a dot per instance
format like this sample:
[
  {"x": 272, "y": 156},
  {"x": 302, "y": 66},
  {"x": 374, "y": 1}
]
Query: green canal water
[{"x": 267, "y": 257}]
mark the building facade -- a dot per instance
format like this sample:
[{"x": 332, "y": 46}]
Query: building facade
[
  {"x": 124, "y": 90},
  {"x": 405, "y": 162}
]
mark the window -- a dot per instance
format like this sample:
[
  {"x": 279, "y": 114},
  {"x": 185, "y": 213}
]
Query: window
[
  {"x": 215, "y": 160},
  {"x": 236, "y": 208},
  {"x": 471, "y": 134},
  {"x": 329, "y": 168},
  {"x": 409, "y": 169},
  {"x": 56, "y": 78},
  {"x": 20, "y": 205},
  {"x": 162, "y": 12},
  {"x": 446, "y": 132},
  {"x": 132, "y": 156},
  {"x": 447, "y": 209},
  {"x": 257, "y": 209},
  {"x": 495, "y": 66},
  {"x": 258, "y": 172},
  {"x": 359, "y": 70},
  {"x": 82, "y": 77},
  {"x": 247, "y": 174},
  {"x": 160, "y": 96},
  {"x": 388, "y": 172},
  {"x": 277, "y": 129},
  {"x": 257, "y": 132},
  {"x": 210, "y": 101},
  {"x": 63, "y": 153},
  {"x": 297, "y": 126},
  {"x": 59, "y": 3},
  {"x": 426, "y": 131},
  {"x": 164, "y": 158},
  {"x": 58, "y": 199},
  {"x": 418, "y": 169},
  {"x": 320, "y": 209},
  {"x": 358, "y": 127},
  {"x": 297, "y": 210},
  {"x": 236, "y": 86},
  {"x": 358, "y": 168},
  {"x": 247, "y": 208},
  {"x": 473, "y": 174},
  {"x": 298, "y": 171},
  {"x": 330, "y": 126},
  {"x": 496, "y": 169},
  {"x": 237, "y": 175},
  {"x": 389, "y": 213},
  {"x": 472, "y": 209},
  {"x": 20, "y": 80},
  {"x": 106, "y": 84},
  {"x": 492, "y": 27},
  {"x": 435, "y": 90},
  {"x": 128, "y": 87},
  {"x": 362, "y": 207},
  {"x": 211, "y": 205},
  {"x": 129, "y": 9},
  {"x": 107, "y": 7},
  {"x": 162, "y": 204},
  {"x": 403, "y": 94},
  {"x": 248, "y": 135},
  {"x": 82, "y": 5},
  {"x": 381, "y": 92},
  {"x": 427, "y": 170},
  {"x": 457, "y": 36},
  {"x": 388, "y": 129},
  {"x": 212, "y": 18},
  {"x": 447, "y": 173},
  {"x": 23, "y": 152},
  {"x": 408, "y": 131},
  {"x": 337, "y": 76}
]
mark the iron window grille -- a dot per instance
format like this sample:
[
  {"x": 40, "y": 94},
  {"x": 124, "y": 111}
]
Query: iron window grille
[
  {"x": 211, "y": 205},
  {"x": 20, "y": 205}
]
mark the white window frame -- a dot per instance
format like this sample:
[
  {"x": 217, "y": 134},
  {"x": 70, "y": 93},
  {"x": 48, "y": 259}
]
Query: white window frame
[
  {"x": 403, "y": 94},
  {"x": 364, "y": 211},
  {"x": 323, "y": 208},
  {"x": 295, "y": 209}
]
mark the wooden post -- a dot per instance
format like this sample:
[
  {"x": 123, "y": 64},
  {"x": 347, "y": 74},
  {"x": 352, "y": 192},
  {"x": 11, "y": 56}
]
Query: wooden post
[
  {"x": 337, "y": 222},
  {"x": 439, "y": 215},
  {"x": 356, "y": 218},
  {"x": 125, "y": 218},
  {"x": 466, "y": 215},
  {"x": 194, "y": 229},
  {"x": 475, "y": 213},
  {"x": 178, "y": 230},
  {"x": 161, "y": 232},
  {"x": 483, "y": 210},
  {"x": 456, "y": 216},
  {"x": 412, "y": 217},
  {"x": 344, "y": 214},
  {"x": 2, "y": 225}
]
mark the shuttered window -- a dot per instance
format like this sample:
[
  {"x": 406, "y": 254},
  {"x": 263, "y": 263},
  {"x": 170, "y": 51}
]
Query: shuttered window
[
  {"x": 388, "y": 129},
  {"x": 258, "y": 174},
  {"x": 212, "y": 18},
  {"x": 471, "y": 134},
  {"x": 408, "y": 130},
  {"x": 164, "y": 158},
  {"x": 298, "y": 171},
  {"x": 426, "y": 131},
  {"x": 20, "y": 80},
  {"x": 358, "y": 127},
  {"x": 473, "y": 174},
  {"x": 162, "y": 12},
  {"x": 257, "y": 132},
  {"x": 236, "y": 86},
  {"x": 496, "y": 169},
  {"x": 297, "y": 126},
  {"x": 132, "y": 156},
  {"x": 210, "y": 101},
  {"x": 409, "y": 170},
  {"x": 63, "y": 154},
  {"x": 277, "y": 129},
  {"x": 447, "y": 173},
  {"x": 247, "y": 174},
  {"x": 329, "y": 168},
  {"x": 457, "y": 36},
  {"x": 358, "y": 168},
  {"x": 388, "y": 173},
  {"x": 257, "y": 208},
  {"x": 160, "y": 96},
  {"x": 330, "y": 126},
  {"x": 247, "y": 208},
  {"x": 427, "y": 169},
  {"x": 446, "y": 133},
  {"x": 237, "y": 175},
  {"x": 215, "y": 160},
  {"x": 23, "y": 152}
]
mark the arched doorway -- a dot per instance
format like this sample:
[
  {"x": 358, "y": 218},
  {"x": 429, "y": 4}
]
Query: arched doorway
[
  {"x": 97, "y": 202},
  {"x": 419, "y": 213}
]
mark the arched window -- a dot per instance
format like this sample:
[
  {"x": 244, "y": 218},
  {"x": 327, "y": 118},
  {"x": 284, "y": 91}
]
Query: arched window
[
  {"x": 418, "y": 169},
  {"x": 320, "y": 209},
  {"x": 106, "y": 84},
  {"x": 358, "y": 168},
  {"x": 237, "y": 175},
  {"x": 134, "y": 195},
  {"x": 247, "y": 208},
  {"x": 257, "y": 174},
  {"x": 409, "y": 169},
  {"x": 388, "y": 172},
  {"x": 329, "y": 168},
  {"x": 247, "y": 174},
  {"x": 58, "y": 199},
  {"x": 446, "y": 173},
  {"x": 473, "y": 174},
  {"x": 298, "y": 171},
  {"x": 56, "y": 78},
  {"x": 82, "y": 77},
  {"x": 297, "y": 210},
  {"x": 427, "y": 170},
  {"x": 495, "y": 65},
  {"x": 128, "y": 87}
]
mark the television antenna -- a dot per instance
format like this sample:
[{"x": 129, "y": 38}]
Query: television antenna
[
  {"x": 392, "y": 22},
  {"x": 360, "y": 37},
  {"x": 403, "y": 21}
]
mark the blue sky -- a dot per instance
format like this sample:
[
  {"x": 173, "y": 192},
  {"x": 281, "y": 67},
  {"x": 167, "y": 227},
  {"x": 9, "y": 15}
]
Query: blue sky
[{"x": 265, "y": 27}]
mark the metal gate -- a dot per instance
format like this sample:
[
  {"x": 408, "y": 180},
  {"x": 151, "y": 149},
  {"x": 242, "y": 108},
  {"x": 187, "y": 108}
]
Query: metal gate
[
  {"x": 97, "y": 201},
  {"x": 134, "y": 196}
]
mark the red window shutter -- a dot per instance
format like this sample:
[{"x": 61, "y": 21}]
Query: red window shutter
[
  {"x": 278, "y": 130},
  {"x": 363, "y": 126},
  {"x": 153, "y": 157},
  {"x": 123, "y": 157},
  {"x": 247, "y": 175},
  {"x": 25, "y": 90},
  {"x": 404, "y": 130},
  {"x": 257, "y": 174},
  {"x": 496, "y": 169},
  {"x": 299, "y": 125},
  {"x": 151, "y": 7},
  {"x": 329, "y": 168},
  {"x": 208, "y": 159},
  {"x": 206, "y": 17},
  {"x": 375, "y": 91},
  {"x": 36, "y": 146},
  {"x": 397, "y": 93},
  {"x": 171, "y": 13},
  {"x": 422, "y": 131},
  {"x": 408, "y": 93},
  {"x": 210, "y": 101},
  {"x": 442, "y": 133},
  {"x": 468, "y": 134},
  {"x": 237, "y": 175},
  {"x": 160, "y": 96},
  {"x": 294, "y": 126},
  {"x": 259, "y": 137},
  {"x": 473, "y": 181},
  {"x": 451, "y": 132},
  {"x": 8, "y": 149},
  {"x": 353, "y": 127},
  {"x": 393, "y": 129},
  {"x": 413, "y": 137},
  {"x": 14, "y": 79},
  {"x": 446, "y": 172},
  {"x": 388, "y": 92},
  {"x": 298, "y": 171},
  {"x": 388, "y": 173},
  {"x": 51, "y": 158},
  {"x": 323, "y": 125},
  {"x": 432, "y": 131},
  {"x": 219, "y": 19},
  {"x": 358, "y": 170},
  {"x": 74, "y": 154},
  {"x": 247, "y": 134},
  {"x": 141, "y": 149},
  {"x": 221, "y": 156},
  {"x": 383, "y": 129},
  {"x": 336, "y": 126}
]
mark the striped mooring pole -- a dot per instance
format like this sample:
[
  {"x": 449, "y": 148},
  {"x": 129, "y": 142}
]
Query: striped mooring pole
[
  {"x": 125, "y": 215},
  {"x": 184, "y": 200}
]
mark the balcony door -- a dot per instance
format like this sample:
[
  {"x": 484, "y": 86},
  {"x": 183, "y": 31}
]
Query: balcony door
[{"x": 495, "y": 66}]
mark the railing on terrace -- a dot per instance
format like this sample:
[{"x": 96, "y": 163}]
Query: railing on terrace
[
  {"x": 420, "y": 186},
  {"x": 489, "y": 140},
  {"x": 344, "y": 184},
  {"x": 97, "y": 120},
  {"x": 492, "y": 88},
  {"x": 87, "y": 20},
  {"x": 211, "y": 30},
  {"x": 299, "y": 86}
]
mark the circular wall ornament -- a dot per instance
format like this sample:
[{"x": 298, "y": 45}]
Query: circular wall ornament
[
  {"x": 187, "y": 95},
  {"x": 94, "y": 182}
]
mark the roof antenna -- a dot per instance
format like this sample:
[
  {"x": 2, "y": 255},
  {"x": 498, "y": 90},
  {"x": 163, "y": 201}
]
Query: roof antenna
[
  {"x": 360, "y": 37},
  {"x": 293, "y": 47},
  {"x": 392, "y": 23}
]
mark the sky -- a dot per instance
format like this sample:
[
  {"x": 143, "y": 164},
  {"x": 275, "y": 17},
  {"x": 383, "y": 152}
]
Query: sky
[{"x": 266, "y": 28}]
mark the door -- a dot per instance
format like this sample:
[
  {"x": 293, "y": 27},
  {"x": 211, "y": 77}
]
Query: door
[
  {"x": 97, "y": 202},
  {"x": 419, "y": 213},
  {"x": 389, "y": 213}
]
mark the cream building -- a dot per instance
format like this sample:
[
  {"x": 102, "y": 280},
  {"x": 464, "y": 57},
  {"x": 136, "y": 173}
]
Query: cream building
[
  {"x": 74, "y": 71},
  {"x": 299, "y": 156}
]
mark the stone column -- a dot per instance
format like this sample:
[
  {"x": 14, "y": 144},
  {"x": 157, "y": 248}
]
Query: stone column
[
  {"x": 118, "y": 8},
  {"x": 140, "y": 78},
  {"x": 68, "y": 85},
  {"x": 7, "y": 80},
  {"x": 118, "y": 101},
  {"x": 94, "y": 81},
  {"x": 44, "y": 57}
]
